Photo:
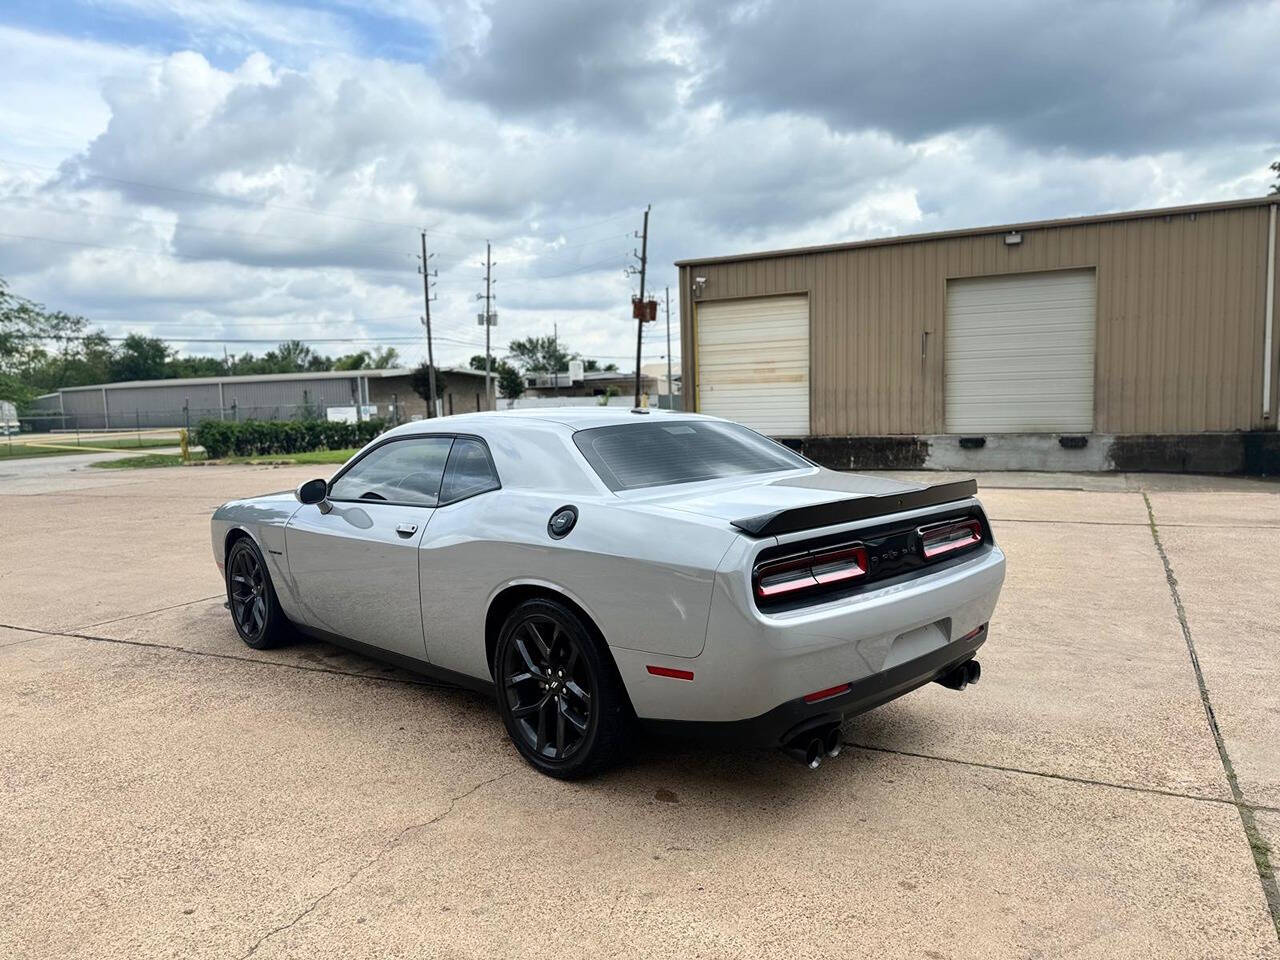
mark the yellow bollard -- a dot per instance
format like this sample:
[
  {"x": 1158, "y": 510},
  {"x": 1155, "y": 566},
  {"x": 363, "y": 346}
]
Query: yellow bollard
[{"x": 184, "y": 444}]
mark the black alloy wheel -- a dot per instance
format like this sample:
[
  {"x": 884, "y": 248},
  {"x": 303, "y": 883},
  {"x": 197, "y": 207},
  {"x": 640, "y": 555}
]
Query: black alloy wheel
[
  {"x": 560, "y": 697},
  {"x": 254, "y": 608}
]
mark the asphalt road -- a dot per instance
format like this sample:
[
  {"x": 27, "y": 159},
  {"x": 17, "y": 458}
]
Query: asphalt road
[{"x": 166, "y": 791}]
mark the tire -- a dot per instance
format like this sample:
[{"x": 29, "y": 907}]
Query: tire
[
  {"x": 559, "y": 692},
  {"x": 251, "y": 598}
]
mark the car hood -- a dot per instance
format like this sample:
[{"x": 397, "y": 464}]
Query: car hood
[{"x": 733, "y": 500}]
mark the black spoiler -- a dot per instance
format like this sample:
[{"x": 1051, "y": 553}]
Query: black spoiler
[{"x": 858, "y": 508}]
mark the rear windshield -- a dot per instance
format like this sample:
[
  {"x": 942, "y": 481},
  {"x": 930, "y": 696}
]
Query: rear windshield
[{"x": 651, "y": 454}]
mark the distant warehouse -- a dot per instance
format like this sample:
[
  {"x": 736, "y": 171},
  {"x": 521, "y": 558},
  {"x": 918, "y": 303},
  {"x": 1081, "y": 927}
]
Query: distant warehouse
[
  {"x": 1141, "y": 340},
  {"x": 274, "y": 396}
]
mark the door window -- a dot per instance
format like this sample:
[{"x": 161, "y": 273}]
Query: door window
[
  {"x": 470, "y": 471},
  {"x": 403, "y": 471}
]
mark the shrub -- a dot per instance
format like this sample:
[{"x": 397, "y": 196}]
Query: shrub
[{"x": 250, "y": 438}]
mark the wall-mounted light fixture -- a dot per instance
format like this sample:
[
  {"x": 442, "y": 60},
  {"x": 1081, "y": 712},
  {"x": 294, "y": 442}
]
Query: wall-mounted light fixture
[
  {"x": 699, "y": 284},
  {"x": 1012, "y": 238}
]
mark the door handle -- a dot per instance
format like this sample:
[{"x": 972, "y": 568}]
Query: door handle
[{"x": 406, "y": 529}]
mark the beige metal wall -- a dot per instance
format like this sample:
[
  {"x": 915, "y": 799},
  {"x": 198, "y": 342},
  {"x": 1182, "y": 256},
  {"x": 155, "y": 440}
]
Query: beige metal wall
[{"x": 1181, "y": 304}]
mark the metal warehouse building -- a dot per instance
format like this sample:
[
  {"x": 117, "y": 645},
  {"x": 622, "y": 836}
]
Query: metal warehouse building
[
  {"x": 277, "y": 396},
  {"x": 1140, "y": 340}
]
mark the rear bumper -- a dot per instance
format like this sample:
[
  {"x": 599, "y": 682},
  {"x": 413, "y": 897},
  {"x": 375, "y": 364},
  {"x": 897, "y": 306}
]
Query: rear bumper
[{"x": 789, "y": 720}]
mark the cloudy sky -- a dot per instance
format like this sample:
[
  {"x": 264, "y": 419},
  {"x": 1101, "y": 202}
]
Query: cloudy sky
[{"x": 224, "y": 170}]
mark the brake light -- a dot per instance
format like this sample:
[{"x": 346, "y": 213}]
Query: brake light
[
  {"x": 943, "y": 538},
  {"x": 817, "y": 568}
]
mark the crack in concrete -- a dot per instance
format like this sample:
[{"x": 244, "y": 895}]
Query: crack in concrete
[
  {"x": 1257, "y": 845},
  {"x": 386, "y": 848},
  {"x": 1066, "y": 777},
  {"x": 147, "y": 613},
  {"x": 173, "y": 648}
]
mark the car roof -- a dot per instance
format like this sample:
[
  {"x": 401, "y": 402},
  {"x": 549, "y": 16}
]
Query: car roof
[{"x": 574, "y": 418}]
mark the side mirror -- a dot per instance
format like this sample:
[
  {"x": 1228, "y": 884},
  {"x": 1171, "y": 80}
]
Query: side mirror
[{"x": 313, "y": 491}]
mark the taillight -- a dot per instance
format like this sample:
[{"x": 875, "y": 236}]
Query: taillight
[
  {"x": 808, "y": 571},
  {"x": 943, "y": 538}
]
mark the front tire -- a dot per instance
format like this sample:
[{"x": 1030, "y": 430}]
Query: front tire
[
  {"x": 561, "y": 699},
  {"x": 255, "y": 611}
]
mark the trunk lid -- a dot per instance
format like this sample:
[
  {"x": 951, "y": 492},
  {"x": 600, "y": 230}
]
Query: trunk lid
[{"x": 748, "y": 497}]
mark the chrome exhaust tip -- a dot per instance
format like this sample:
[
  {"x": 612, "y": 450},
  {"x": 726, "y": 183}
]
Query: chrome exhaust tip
[
  {"x": 813, "y": 754},
  {"x": 831, "y": 742}
]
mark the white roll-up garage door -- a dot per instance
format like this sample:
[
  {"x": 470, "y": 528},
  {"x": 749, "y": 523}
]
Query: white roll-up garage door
[
  {"x": 753, "y": 363},
  {"x": 1019, "y": 353}
]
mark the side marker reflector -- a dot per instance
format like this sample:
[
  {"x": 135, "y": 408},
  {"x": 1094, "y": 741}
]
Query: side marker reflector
[
  {"x": 671, "y": 672},
  {"x": 824, "y": 694}
]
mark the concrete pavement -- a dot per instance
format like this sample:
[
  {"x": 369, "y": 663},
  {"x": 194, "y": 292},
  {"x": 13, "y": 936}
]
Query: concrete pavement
[{"x": 166, "y": 791}]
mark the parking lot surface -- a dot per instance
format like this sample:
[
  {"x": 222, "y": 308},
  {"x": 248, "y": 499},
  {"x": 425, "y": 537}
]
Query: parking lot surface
[{"x": 1110, "y": 789}]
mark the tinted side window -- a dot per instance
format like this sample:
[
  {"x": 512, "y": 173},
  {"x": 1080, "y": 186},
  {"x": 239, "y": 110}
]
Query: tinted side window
[
  {"x": 469, "y": 471},
  {"x": 402, "y": 471}
]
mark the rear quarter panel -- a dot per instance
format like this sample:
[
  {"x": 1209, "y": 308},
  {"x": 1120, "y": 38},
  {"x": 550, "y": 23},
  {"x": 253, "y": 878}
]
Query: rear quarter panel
[{"x": 643, "y": 576}]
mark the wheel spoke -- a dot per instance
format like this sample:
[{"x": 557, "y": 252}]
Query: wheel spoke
[
  {"x": 560, "y": 729},
  {"x": 579, "y": 725},
  {"x": 577, "y": 691},
  {"x": 518, "y": 678},
  {"x": 259, "y": 613},
  {"x": 527, "y": 657},
  {"x": 541, "y": 739},
  {"x": 532, "y": 631},
  {"x": 522, "y": 712}
]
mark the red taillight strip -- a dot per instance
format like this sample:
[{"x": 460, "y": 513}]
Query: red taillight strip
[
  {"x": 971, "y": 526},
  {"x": 808, "y": 570},
  {"x": 671, "y": 672},
  {"x": 825, "y": 694}
]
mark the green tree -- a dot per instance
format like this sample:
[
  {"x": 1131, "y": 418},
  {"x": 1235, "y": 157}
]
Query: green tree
[
  {"x": 385, "y": 358},
  {"x": 421, "y": 383},
  {"x": 510, "y": 380},
  {"x": 140, "y": 358},
  {"x": 353, "y": 361},
  {"x": 26, "y": 331},
  {"x": 1275, "y": 168},
  {"x": 538, "y": 355}
]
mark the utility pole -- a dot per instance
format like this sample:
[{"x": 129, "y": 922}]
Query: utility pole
[
  {"x": 487, "y": 319},
  {"x": 641, "y": 310},
  {"x": 669, "y": 393},
  {"x": 426, "y": 322}
]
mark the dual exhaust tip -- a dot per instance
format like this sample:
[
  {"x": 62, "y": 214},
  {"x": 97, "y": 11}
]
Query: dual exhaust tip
[
  {"x": 957, "y": 678},
  {"x": 813, "y": 747}
]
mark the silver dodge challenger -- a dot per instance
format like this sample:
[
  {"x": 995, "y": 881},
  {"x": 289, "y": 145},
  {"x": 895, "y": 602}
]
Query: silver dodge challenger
[{"x": 609, "y": 572}]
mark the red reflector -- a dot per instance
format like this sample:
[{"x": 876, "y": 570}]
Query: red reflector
[
  {"x": 824, "y": 694},
  {"x": 944, "y": 538},
  {"x": 671, "y": 672},
  {"x": 972, "y": 633}
]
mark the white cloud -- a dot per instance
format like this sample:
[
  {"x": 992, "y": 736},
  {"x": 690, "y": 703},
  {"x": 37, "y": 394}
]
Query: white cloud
[{"x": 279, "y": 193}]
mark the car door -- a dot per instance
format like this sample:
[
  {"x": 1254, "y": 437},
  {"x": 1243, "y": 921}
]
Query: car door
[
  {"x": 457, "y": 558},
  {"x": 354, "y": 557}
]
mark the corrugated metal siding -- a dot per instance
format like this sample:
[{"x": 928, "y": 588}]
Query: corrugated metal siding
[
  {"x": 161, "y": 399},
  {"x": 284, "y": 393},
  {"x": 1179, "y": 331}
]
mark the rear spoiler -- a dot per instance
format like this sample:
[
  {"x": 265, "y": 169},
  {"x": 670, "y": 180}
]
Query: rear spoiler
[{"x": 859, "y": 508}]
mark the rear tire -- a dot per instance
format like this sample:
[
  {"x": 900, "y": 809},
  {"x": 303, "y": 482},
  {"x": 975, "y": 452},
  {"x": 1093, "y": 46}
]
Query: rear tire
[
  {"x": 559, "y": 692},
  {"x": 255, "y": 610}
]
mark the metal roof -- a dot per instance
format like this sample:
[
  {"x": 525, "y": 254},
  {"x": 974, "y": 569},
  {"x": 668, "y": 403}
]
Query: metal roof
[
  {"x": 978, "y": 231},
  {"x": 267, "y": 377}
]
